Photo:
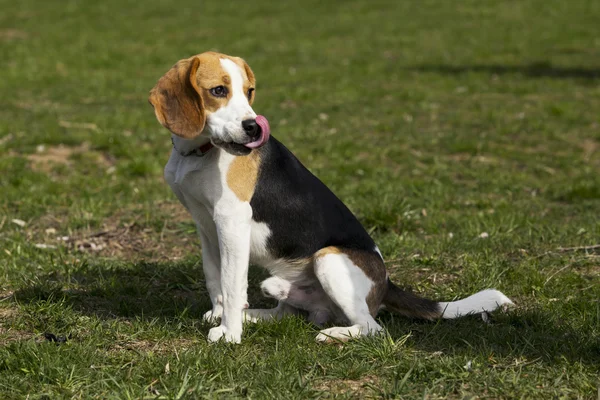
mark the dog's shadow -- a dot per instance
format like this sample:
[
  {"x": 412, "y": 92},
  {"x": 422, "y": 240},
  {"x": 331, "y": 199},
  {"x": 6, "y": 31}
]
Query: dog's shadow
[
  {"x": 168, "y": 291},
  {"x": 145, "y": 290},
  {"x": 528, "y": 336}
]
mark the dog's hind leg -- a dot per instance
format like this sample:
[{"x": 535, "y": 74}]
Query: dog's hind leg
[{"x": 343, "y": 276}]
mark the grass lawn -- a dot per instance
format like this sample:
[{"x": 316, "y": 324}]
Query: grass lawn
[{"x": 464, "y": 134}]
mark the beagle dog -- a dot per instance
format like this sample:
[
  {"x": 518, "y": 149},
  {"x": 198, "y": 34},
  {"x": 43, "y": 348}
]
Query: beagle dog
[{"x": 254, "y": 202}]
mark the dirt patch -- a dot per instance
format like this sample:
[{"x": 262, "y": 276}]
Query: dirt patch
[
  {"x": 122, "y": 235},
  {"x": 53, "y": 155},
  {"x": 418, "y": 276},
  {"x": 460, "y": 157},
  {"x": 5, "y": 296},
  {"x": 159, "y": 346},
  {"x": 8, "y": 334},
  {"x": 363, "y": 388},
  {"x": 79, "y": 125},
  {"x": 6, "y": 313},
  {"x": 39, "y": 104},
  {"x": 589, "y": 147},
  {"x": 12, "y": 34},
  {"x": 133, "y": 241},
  {"x": 46, "y": 158}
]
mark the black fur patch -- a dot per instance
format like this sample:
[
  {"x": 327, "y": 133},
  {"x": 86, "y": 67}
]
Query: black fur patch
[{"x": 303, "y": 214}]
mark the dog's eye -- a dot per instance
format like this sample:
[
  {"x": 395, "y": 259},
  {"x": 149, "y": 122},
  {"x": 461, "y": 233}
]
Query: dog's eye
[
  {"x": 219, "y": 91},
  {"x": 250, "y": 91}
]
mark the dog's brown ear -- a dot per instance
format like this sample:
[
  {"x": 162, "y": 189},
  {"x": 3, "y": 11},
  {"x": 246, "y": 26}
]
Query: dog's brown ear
[{"x": 177, "y": 101}]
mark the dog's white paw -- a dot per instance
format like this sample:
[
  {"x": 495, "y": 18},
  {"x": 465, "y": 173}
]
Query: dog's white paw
[
  {"x": 345, "y": 333},
  {"x": 213, "y": 316},
  {"x": 338, "y": 333},
  {"x": 222, "y": 333}
]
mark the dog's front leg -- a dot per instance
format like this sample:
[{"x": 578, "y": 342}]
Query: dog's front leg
[
  {"x": 233, "y": 231},
  {"x": 211, "y": 264}
]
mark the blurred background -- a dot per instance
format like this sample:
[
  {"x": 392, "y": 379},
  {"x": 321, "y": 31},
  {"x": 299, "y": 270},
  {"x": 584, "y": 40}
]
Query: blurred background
[{"x": 499, "y": 98}]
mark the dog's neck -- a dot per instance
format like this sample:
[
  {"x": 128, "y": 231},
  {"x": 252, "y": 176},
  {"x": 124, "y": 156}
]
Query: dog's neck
[{"x": 191, "y": 147}]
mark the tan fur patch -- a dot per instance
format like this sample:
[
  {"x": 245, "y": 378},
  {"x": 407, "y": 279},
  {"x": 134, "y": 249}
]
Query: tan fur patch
[
  {"x": 181, "y": 98},
  {"x": 243, "y": 174},
  {"x": 327, "y": 250},
  {"x": 211, "y": 74}
]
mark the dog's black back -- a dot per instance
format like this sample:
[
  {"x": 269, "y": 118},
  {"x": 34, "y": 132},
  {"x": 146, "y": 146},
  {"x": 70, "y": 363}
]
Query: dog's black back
[{"x": 303, "y": 214}]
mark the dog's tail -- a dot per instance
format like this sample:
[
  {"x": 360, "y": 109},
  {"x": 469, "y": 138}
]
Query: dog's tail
[{"x": 411, "y": 305}]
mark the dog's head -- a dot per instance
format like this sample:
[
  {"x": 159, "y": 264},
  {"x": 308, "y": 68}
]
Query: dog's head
[{"x": 211, "y": 95}]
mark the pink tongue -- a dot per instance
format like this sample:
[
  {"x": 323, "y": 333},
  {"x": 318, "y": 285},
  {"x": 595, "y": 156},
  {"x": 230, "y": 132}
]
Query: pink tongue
[{"x": 265, "y": 133}]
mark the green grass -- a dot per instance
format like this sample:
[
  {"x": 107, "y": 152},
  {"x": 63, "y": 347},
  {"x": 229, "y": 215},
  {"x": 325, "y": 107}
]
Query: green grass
[{"x": 435, "y": 121}]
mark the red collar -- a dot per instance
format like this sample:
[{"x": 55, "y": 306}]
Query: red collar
[
  {"x": 198, "y": 151},
  {"x": 205, "y": 148}
]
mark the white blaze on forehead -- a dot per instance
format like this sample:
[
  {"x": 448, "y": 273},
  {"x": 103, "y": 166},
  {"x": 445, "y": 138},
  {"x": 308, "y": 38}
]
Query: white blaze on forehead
[
  {"x": 239, "y": 100},
  {"x": 237, "y": 81},
  {"x": 225, "y": 124}
]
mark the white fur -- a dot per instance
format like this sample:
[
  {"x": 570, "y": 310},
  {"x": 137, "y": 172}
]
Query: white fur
[
  {"x": 348, "y": 286},
  {"x": 484, "y": 301},
  {"x": 344, "y": 333},
  {"x": 378, "y": 252},
  {"x": 276, "y": 287},
  {"x": 233, "y": 231},
  {"x": 224, "y": 224},
  {"x": 260, "y": 234},
  {"x": 226, "y": 123}
]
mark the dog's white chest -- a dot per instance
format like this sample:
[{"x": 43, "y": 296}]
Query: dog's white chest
[
  {"x": 196, "y": 180},
  {"x": 200, "y": 185}
]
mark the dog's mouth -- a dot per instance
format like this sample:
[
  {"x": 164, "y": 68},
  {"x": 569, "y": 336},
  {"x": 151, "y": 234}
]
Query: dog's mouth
[
  {"x": 240, "y": 149},
  {"x": 233, "y": 148}
]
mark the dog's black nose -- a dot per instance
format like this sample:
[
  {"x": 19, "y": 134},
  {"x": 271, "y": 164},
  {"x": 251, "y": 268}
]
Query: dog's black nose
[{"x": 251, "y": 127}]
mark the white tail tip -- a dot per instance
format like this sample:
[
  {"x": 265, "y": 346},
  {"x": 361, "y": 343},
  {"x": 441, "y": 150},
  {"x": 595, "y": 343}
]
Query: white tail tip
[{"x": 485, "y": 301}]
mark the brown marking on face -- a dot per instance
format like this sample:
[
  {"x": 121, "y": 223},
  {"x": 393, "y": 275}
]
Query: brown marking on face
[
  {"x": 243, "y": 174},
  {"x": 182, "y": 99},
  {"x": 211, "y": 74}
]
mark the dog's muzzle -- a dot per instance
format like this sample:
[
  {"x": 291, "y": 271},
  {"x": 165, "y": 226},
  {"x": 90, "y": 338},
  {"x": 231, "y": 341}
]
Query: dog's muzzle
[{"x": 258, "y": 130}]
